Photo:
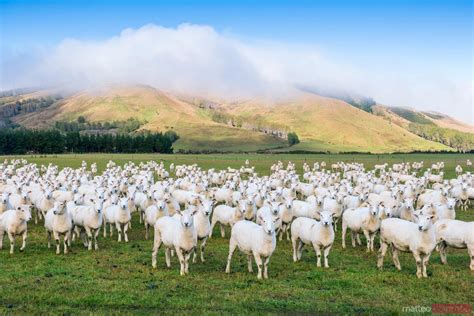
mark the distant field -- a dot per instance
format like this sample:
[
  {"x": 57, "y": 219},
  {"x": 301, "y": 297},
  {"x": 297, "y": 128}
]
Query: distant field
[
  {"x": 119, "y": 279},
  {"x": 262, "y": 162}
]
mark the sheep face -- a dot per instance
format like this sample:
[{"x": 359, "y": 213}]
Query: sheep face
[
  {"x": 59, "y": 208},
  {"x": 5, "y": 197},
  {"x": 288, "y": 202},
  {"x": 123, "y": 203},
  {"x": 207, "y": 207},
  {"x": 268, "y": 225},
  {"x": 99, "y": 206},
  {"x": 23, "y": 213},
  {"x": 326, "y": 218},
  {"x": 187, "y": 217},
  {"x": 424, "y": 221},
  {"x": 275, "y": 208},
  {"x": 48, "y": 194},
  {"x": 408, "y": 204},
  {"x": 451, "y": 203}
]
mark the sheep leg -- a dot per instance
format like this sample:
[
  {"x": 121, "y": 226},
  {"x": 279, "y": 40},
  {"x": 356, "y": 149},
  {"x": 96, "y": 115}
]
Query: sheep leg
[
  {"x": 168, "y": 257},
  {"x": 186, "y": 262},
  {"x": 344, "y": 230},
  {"x": 265, "y": 268},
  {"x": 372, "y": 240},
  {"x": 105, "y": 228},
  {"x": 232, "y": 246},
  {"x": 395, "y": 259},
  {"x": 11, "y": 237},
  {"x": 288, "y": 232},
  {"x": 119, "y": 231},
  {"x": 326, "y": 254},
  {"x": 300, "y": 249},
  {"x": 442, "y": 252},
  {"x": 66, "y": 241},
  {"x": 212, "y": 227},
  {"x": 194, "y": 251},
  {"x": 335, "y": 224},
  {"x": 111, "y": 227},
  {"x": 49, "y": 239},
  {"x": 156, "y": 246},
  {"x": 258, "y": 261},
  {"x": 56, "y": 238},
  {"x": 125, "y": 229},
  {"x": 367, "y": 237},
  {"x": 182, "y": 264},
  {"x": 294, "y": 244},
  {"x": 470, "y": 250},
  {"x": 419, "y": 264},
  {"x": 353, "y": 237},
  {"x": 249, "y": 263},
  {"x": 146, "y": 230},
  {"x": 222, "y": 231},
  {"x": 280, "y": 235},
  {"x": 317, "y": 250},
  {"x": 2, "y": 235},
  {"x": 203, "y": 246},
  {"x": 358, "y": 239},
  {"x": 89, "y": 238},
  {"x": 96, "y": 234},
  {"x": 426, "y": 260},
  {"x": 381, "y": 255}
]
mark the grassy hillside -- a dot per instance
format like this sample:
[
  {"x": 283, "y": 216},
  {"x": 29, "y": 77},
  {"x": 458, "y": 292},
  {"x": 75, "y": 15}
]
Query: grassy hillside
[
  {"x": 430, "y": 126},
  {"x": 160, "y": 111},
  {"x": 322, "y": 123},
  {"x": 325, "y": 124}
]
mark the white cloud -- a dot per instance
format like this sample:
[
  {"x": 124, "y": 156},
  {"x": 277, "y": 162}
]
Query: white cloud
[{"x": 197, "y": 59}]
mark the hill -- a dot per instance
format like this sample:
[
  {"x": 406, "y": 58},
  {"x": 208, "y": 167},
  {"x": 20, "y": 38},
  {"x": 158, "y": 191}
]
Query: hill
[{"x": 322, "y": 123}]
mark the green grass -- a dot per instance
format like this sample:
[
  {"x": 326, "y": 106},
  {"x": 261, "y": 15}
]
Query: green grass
[{"x": 118, "y": 278}]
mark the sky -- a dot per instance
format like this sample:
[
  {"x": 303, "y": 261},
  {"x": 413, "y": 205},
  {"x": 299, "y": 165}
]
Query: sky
[{"x": 401, "y": 53}]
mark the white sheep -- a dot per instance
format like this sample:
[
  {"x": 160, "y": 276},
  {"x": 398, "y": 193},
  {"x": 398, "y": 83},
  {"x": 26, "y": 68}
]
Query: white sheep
[
  {"x": 319, "y": 234},
  {"x": 87, "y": 219},
  {"x": 456, "y": 234},
  {"x": 14, "y": 223},
  {"x": 120, "y": 216},
  {"x": 361, "y": 220},
  {"x": 153, "y": 213},
  {"x": 446, "y": 211},
  {"x": 418, "y": 238},
  {"x": 176, "y": 232},
  {"x": 4, "y": 201},
  {"x": 227, "y": 216},
  {"x": 256, "y": 240},
  {"x": 271, "y": 209},
  {"x": 203, "y": 225},
  {"x": 58, "y": 222},
  {"x": 286, "y": 211}
]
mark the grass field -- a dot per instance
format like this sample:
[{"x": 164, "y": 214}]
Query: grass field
[{"x": 118, "y": 278}]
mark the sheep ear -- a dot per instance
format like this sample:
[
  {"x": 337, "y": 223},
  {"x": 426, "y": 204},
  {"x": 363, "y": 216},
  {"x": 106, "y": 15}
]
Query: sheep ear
[{"x": 276, "y": 219}]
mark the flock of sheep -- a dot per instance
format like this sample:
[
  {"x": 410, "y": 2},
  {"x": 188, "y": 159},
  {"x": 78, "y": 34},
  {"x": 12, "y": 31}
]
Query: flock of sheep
[{"x": 410, "y": 211}]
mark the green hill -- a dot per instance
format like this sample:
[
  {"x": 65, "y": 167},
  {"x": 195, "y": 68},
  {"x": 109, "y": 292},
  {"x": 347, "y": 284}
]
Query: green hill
[{"x": 321, "y": 123}]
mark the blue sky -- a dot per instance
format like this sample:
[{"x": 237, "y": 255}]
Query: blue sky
[{"x": 402, "y": 39}]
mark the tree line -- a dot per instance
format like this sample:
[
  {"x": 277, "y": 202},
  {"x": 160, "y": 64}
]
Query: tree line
[
  {"x": 24, "y": 141},
  {"x": 463, "y": 142},
  {"x": 82, "y": 124}
]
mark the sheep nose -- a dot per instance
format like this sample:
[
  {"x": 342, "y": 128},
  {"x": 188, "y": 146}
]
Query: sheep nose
[{"x": 420, "y": 228}]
